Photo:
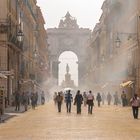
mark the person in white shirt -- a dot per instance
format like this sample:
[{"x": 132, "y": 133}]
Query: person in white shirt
[{"x": 90, "y": 103}]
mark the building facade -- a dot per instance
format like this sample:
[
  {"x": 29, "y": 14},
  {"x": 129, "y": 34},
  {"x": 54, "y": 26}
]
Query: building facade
[
  {"x": 23, "y": 47},
  {"x": 115, "y": 40}
]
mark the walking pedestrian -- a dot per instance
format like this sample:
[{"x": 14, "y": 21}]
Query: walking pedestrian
[
  {"x": 68, "y": 100},
  {"x": 59, "y": 99},
  {"x": 124, "y": 99},
  {"x": 25, "y": 100},
  {"x": 85, "y": 98},
  {"x": 135, "y": 101},
  {"x": 109, "y": 98},
  {"x": 116, "y": 98},
  {"x": 17, "y": 100},
  {"x": 54, "y": 98},
  {"x": 99, "y": 99},
  {"x": 33, "y": 100},
  {"x": 36, "y": 98},
  {"x": 78, "y": 100},
  {"x": 90, "y": 103},
  {"x": 42, "y": 98}
]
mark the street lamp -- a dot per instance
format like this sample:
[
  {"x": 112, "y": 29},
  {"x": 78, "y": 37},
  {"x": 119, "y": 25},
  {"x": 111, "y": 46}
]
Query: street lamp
[
  {"x": 20, "y": 36},
  {"x": 118, "y": 42}
]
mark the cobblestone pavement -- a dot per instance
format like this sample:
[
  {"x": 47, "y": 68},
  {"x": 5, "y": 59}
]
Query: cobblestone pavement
[{"x": 45, "y": 123}]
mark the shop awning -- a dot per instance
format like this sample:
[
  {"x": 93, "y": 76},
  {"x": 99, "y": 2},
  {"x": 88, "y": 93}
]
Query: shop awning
[
  {"x": 3, "y": 76},
  {"x": 128, "y": 83}
]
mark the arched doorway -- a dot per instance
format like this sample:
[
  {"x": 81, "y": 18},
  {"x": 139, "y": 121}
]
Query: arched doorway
[{"x": 70, "y": 59}]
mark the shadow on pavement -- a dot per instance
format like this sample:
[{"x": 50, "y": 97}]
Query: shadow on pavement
[{"x": 6, "y": 117}]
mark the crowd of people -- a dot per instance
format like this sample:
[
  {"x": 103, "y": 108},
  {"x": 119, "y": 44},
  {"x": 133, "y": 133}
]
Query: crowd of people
[
  {"x": 88, "y": 99},
  {"x": 27, "y": 99}
]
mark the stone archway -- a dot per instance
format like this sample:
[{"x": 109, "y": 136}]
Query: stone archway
[{"x": 68, "y": 37}]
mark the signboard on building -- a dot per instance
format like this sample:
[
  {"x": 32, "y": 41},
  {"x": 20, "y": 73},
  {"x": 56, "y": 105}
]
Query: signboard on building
[{"x": 7, "y": 73}]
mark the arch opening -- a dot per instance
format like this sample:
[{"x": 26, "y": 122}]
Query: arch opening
[{"x": 68, "y": 69}]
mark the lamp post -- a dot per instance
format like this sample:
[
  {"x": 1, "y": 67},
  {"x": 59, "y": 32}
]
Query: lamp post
[
  {"x": 118, "y": 42},
  {"x": 20, "y": 38}
]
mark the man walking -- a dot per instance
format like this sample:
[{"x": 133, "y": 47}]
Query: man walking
[
  {"x": 68, "y": 100},
  {"x": 59, "y": 99},
  {"x": 90, "y": 103},
  {"x": 17, "y": 101},
  {"x": 99, "y": 99},
  {"x": 78, "y": 101}
]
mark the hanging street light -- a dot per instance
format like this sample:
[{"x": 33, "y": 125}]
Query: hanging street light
[{"x": 118, "y": 42}]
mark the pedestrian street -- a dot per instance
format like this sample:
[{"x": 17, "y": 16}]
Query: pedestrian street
[{"x": 45, "y": 123}]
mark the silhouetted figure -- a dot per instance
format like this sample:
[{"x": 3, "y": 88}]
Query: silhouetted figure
[
  {"x": 78, "y": 101},
  {"x": 124, "y": 99},
  {"x": 54, "y": 98},
  {"x": 68, "y": 100},
  {"x": 25, "y": 101},
  {"x": 59, "y": 99},
  {"x": 17, "y": 101},
  {"x": 99, "y": 99},
  {"x": 33, "y": 100},
  {"x": 116, "y": 98},
  {"x": 135, "y": 101},
  {"x": 109, "y": 98},
  {"x": 42, "y": 98},
  {"x": 90, "y": 103},
  {"x": 36, "y": 96}
]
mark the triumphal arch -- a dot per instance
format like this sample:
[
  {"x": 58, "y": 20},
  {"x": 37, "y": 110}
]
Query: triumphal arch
[{"x": 68, "y": 37}]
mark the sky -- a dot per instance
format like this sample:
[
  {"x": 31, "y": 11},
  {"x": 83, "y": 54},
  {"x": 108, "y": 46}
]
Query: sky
[{"x": 87, "y": 12}]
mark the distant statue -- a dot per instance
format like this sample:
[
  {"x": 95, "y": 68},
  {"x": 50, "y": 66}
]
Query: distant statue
[{"x": 67, "y": 68}]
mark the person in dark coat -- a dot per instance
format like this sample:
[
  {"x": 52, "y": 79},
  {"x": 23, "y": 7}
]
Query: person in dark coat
[
  {"x": 78, "y": 101},
  {"x": 42, "y": 98},
  {"x": 124, "y": 99},
  {"x": 59, "y": 99},
  {"x": 33, "y": 100},
  {"x": 17, "y": 101},
  {"x": 25, "y": 101},
  {"x": 68, "y": 100},
  {"x": 99, "y": 99}
]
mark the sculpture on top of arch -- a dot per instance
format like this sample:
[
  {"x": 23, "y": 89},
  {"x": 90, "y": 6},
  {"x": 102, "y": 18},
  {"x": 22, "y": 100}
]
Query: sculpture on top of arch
[{"x": 68, "y": 22}]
